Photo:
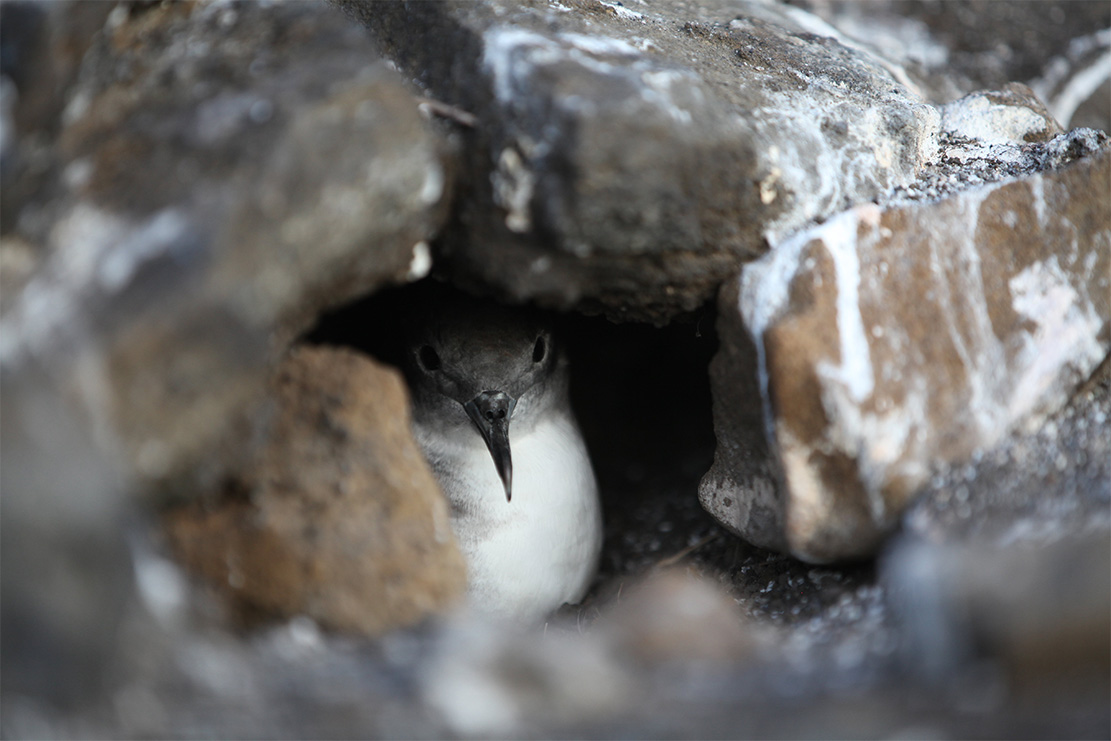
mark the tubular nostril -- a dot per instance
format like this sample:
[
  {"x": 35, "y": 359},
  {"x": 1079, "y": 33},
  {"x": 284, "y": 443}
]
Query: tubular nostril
[{"x": 489, "y": 407}]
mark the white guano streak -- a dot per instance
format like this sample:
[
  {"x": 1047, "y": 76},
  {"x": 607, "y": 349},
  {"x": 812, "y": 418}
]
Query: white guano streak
[
  {"x": 506, "y": 64},
  {"x": 1067, "y": 333},
  {"x": 963, "y": 311},
  {"x": 855, "y": 371},
  {"x": 765, "y": 285},
  {"x": 498, "y": 56},
  {"x": 1080, "y": 88},
  {"x": 511, "y": 54}
]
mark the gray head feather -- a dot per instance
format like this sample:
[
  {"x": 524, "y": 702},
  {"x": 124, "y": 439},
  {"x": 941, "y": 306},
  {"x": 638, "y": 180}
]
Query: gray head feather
[{"x": 462, "y": 351}]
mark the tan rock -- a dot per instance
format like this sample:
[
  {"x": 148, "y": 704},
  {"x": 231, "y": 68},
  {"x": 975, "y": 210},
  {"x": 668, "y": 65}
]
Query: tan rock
[
  {"x": 677, "y": 615},
  {"x": 894, "y": 341},
  {"x": 337, "y": 515}
]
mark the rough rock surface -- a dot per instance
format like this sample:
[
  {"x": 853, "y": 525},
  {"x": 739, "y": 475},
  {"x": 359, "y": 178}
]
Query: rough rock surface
[
  {"x": 893, "y": 340},
  {"x": 985, "y": 616},
  {"x": 337, "y": 516},
  {"x": 1060, "y": 49},
  {"x": 1002, "y": 496},
  {"x": 624, "y": 161},
  {"x": 1014, "y": 114},
  {"x": 224, "y": 173}
]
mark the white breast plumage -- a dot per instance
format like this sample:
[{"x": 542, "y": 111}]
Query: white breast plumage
[{"x": 528, "y": 556}]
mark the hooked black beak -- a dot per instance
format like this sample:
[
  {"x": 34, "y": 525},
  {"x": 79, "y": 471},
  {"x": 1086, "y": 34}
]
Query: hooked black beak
[{"x": 490, "y": 412}]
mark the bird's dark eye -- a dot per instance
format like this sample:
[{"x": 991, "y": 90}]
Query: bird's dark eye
[
  {"x": 539, "y": 350},
  {"x": 429, "y": 359}
]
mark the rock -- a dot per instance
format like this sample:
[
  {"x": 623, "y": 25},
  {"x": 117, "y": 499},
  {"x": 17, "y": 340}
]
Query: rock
[
  {"x": 963, "y": 162},
  {"x": 488, "y": 679},
  {"x": 1045, "y": 482},
  {"x": 625, "y": 161},
  {"x": 1077, "y": 83},
  {"x": 1007, "y": 558},
  {"x": 742, "y": 488},
  {"x": 676, "y": 616},
  {"x": 227, "y": 173},
  {"x": 1013, "y": 115},
  {"x": 1039, "y": 613},
  {"x": 1057, "y": 48},
  {"x": 337, "y": 515},
  {"x": 892, "y": 341},
  {"x": 64, "y": 562},
  {"x": 43, "y": 47}
]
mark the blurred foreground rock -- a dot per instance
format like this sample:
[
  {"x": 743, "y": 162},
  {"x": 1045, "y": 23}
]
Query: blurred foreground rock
[
  {"x": 1004, "y": 562},
  {"x": 223, "y": 173},
  {"x": 44, "y": 45},
  {"x": 488, "y": 679},
  {"x": 336, "y": 516},
  {"x": 678, "y": 617},
  {"x": 184, "y": 188},
  {"x": 624, "y": 161},
  {"x": 891, "y": 341},
  {"x": 1041, "y": 613},
  {"x": 64, "y": 563}
]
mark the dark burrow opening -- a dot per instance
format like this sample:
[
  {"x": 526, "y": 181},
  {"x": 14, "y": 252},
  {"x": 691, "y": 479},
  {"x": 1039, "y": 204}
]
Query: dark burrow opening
[{"x": 642, "y": 398}]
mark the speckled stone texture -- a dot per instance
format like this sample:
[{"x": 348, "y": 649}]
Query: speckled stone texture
[{"x": 336, "y": 516}]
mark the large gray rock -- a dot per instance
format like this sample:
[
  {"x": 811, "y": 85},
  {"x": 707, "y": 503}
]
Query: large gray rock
[
  {"x": 228, "y": 171},
  {"x": 891, "y": 341},
  {"x": 625, "y": 161}
]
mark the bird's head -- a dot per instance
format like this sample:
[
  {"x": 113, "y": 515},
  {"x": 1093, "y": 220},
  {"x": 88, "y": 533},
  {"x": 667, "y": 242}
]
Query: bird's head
[{"x": 479, "y": 367}]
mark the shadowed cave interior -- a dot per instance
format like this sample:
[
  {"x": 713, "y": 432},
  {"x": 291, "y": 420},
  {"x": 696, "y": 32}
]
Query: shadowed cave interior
[{"x": 642, "y": 398}]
